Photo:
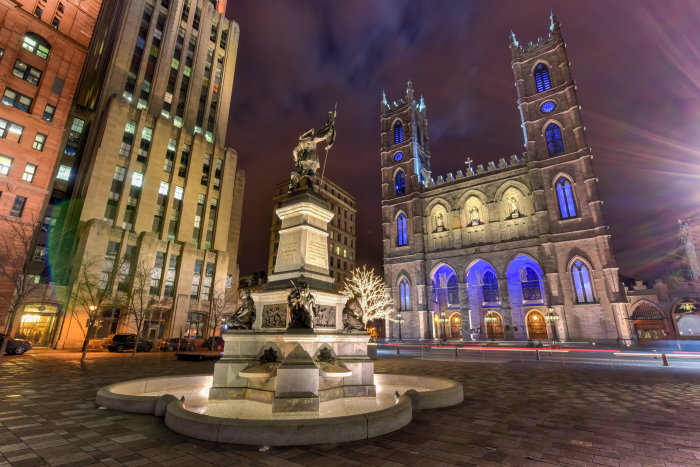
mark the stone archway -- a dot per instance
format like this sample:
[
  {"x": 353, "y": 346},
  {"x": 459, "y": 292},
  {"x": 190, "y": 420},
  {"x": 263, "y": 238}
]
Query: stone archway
[
  {"x": 494, "y": 330},
  {"x": 455, "y": 326},
  {"x": 536, "y": 325}
]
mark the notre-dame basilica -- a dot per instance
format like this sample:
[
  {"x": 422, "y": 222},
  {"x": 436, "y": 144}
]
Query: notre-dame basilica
[{"x": 517, "y": 249}]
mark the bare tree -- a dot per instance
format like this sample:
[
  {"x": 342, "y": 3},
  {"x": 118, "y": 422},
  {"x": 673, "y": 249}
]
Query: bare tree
[
  {"x": 15, "y": 262},
  {"x": 220, "y": 305},
  {"x": 93, "y": 289},
  {"x": 370, "y": 291},
  {"x": 141, "y": 303}
]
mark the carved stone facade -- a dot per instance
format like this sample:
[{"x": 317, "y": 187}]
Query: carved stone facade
[{"x": 516, "y": 239}]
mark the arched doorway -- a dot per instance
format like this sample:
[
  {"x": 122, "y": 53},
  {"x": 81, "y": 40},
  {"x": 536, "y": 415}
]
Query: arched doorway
[
  {"x": 649, "y": 324},
  {"x": 536, "y": 325},
  {"x": 494, "y": 329},
  {"x": 687, "y": 319},
  {"x": 456, "y": 326}
]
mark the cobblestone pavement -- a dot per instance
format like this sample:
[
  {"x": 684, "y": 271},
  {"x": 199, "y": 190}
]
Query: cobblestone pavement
[{"x": 532, "y": 413}]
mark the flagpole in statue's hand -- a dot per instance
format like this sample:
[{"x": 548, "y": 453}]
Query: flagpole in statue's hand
[{"x": 329, "y": 144}]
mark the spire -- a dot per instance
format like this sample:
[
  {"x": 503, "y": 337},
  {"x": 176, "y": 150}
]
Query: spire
[
  {"x": 554, "y": 25},
  {"x": 409, "y": 91},
  {"x": 421, "y": 104},
  {"x": 513, "y": 39},
  {"x": 384, "y": 103}
]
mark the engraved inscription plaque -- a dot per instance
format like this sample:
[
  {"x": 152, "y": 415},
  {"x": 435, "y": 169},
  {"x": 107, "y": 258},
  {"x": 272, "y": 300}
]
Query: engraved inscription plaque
[
  {"x": 316, "y": 253},
  {"x": 274, "y": 316},
  {"x": 325, "y": 316}
]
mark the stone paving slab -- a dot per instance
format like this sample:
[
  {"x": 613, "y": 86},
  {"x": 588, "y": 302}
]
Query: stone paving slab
[{"x": 518, "y": 414}]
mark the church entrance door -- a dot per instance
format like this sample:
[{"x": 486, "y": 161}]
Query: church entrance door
[
  {"x": 536, "y": 325},
  {"x": 495, "y": 329},
  {"x": 456, "y": 326}
]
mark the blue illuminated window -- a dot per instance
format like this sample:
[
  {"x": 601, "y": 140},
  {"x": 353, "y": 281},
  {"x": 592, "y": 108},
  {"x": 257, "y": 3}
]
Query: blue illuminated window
[
  {"x": 489, "y": 287},
  {"x": 398, "y": 156},
  {"x": 531, "y": 285},
  {"x": 542, "y": 78},
  {"x": 398, "y": 132},
  {"x": 400, "y": 183},
  {"x": 405, "y": 295},
  {"x": 555, "y": 142},
  {"x": 401, "y": 230},
  {"x": 452, "y": 291},
  {"x": 581, "y": 277},
  {"x": 548, "y": 107},
  {"x": 565, "y": 197}
]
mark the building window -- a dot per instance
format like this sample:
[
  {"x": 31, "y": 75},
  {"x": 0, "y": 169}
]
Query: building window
[
  {"x": 39, "y": 141},
  {"x": 18, "y": 206},
  {"x": 404, "y": 295},
  {"x": 108, "y": 323},
  {"x": 398, "y": 132},
  {"x": 170, "y": 156},
  {"x": 542, "y": 78},
  {"x": 49, "y": 112},
  {"x": 565, "y": 197},
  {"x": 145, "y": 145},
  {"x": 170, "y": 277},
  {"x": 179, "y": 192},
  {"x": 137, "y": 179},
  {"x": 489, "y": 287},
  {"x": 29, "y": 172},
  {"x": 55, "y": 22},
  {"x": 401, "y": 230},
  {"x": 38, "y": 11},
  {"x": 555, "y": 142},
  {"x": 400, "y": 185},
  {"x": 184, "y": 160},
  {"x": 26, "y": 72},
  {"x": 36, "y": 44},
  {"x": 5, "y": 164},
  {"x": 16, "y": 100},
  {"x": 10, "y": 131},
  {"x": 196, "y": 278},
  {"x": 63, "y": 173},
  {"x": 452, "y": 291},
  {"x": 530, "y": 282},
  {"x": 127, "y": 138},
  {"x": 582, "y": 282}
]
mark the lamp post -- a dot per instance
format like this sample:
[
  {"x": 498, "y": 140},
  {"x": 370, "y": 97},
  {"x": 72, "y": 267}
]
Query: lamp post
[
  {"x": 552, "y": 318},
  {"x": 399, "y": 320},
  {"x": 443, "y": 319}
]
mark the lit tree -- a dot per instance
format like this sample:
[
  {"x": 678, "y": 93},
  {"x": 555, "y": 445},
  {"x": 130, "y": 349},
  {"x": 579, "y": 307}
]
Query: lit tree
[
  {"x": 370, "y": 291},
  {"x": 15, "y": 263}
]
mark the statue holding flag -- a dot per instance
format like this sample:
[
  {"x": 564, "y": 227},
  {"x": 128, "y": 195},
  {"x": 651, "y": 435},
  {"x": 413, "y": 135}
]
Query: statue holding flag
[{"x": 305, "y": 156}]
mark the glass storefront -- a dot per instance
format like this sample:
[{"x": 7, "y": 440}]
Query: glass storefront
[{"x": 37, "y": 324}]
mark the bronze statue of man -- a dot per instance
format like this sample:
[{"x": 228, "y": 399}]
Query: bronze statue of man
[
  {"x": 305, "y": 156},
  {"x": 244, "y": 316},
  {"x": 300, "y": 306}
]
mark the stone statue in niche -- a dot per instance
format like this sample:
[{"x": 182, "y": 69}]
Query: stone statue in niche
[
  {"x": 300, "y": 307},
  {"x": 305, "y": 156},
  {"x": 439, "y": 222},
  {"x": 352, "y": 316},
  {"x": 474, "y": 217},
  {"x": 513, "y": 206},
  {"x": 244, "y": 316}
]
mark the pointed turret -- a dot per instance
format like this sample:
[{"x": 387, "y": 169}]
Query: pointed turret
[
  {"x": 409, "y": 91},
  {"x": 554, "y": 26},
  {"x": 384, "y": 103}
]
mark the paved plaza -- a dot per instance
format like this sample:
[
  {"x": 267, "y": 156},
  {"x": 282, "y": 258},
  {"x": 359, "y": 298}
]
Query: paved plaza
[{"x": 515, "y": 413}]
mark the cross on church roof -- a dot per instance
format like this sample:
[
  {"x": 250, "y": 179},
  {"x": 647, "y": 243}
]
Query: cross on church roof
[{"x": 469, "y": 162}]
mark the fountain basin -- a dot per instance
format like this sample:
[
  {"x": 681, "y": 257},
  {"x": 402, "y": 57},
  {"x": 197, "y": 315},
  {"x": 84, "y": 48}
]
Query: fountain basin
[{"x": 243, "y": 421}]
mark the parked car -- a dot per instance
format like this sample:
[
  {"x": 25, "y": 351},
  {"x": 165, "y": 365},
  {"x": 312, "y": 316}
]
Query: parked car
[
  {"x": 15, "y": 346},
  {"x": 177, "y": 343},
  {"x": 214, "y": 343},
  {"x": 122, "y": 342}
]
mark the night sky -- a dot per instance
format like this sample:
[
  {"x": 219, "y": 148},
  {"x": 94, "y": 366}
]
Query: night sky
[{"x": 636, "y": 65}]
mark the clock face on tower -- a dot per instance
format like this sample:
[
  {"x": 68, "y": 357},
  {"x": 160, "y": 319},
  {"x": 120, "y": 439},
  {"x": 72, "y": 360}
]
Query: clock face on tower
[
  {"x": 547, "y": 107},
  {"x": 398, "y": 156}
]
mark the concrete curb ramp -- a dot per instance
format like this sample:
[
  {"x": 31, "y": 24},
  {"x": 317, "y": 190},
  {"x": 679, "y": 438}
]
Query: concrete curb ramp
[{"x": 434, "y": 393}]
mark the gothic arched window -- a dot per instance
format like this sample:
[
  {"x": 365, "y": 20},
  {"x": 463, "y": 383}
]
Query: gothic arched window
[
  {"x": 581, "y": 277},
  {"x": 542, "y": 78},
  {"x": 489, "y": 287},
  {"x": 452, "y": 291},
  {"x": 531, "y": 285},
  {"x": 398, "y": 132},
  {"x": 555, "y": 142},
  {"x": 565, "y": 197},
  {"x": 400, "y": 183},
  {"x": 401, "y": 230},
  {"x": 404, "y": 295}
]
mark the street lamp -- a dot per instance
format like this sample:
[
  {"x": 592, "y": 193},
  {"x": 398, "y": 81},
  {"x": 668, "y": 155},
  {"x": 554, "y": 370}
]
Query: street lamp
[
  {"x": 552, "y": 318},
  {"x": 443, "y": 319},
  {"x": 399, "y": 320},
  {"x": 91, "y": 318}
]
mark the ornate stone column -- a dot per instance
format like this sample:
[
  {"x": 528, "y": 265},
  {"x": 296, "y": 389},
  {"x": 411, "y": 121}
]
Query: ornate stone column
[{"x": 506, "y": 310}]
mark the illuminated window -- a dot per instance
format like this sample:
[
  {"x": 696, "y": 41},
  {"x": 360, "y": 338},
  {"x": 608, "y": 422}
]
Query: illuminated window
[
  {"x": 29, "y": 172},
  {"x": 565, "y": 196},
  {"x": 401, "y": 230},
  {"x": 36, "y": 44},
  {"x": 26, "y": 72},
  {"x": 179, "y": 192},
  {"x": 49, "y": 112},
  {"x": 404, "y": 295},
  {"x": 39, "y": 141},
  {"x": 531, "y": 285},
  {"x": 542, "y": 81},
  {"x": 581, "y": 277},
  {"x": 17, "y": 100},
  {"x": 489, "y": 287},
  {"x": 63, "y": 173},
  {"x": 400, "y": 184},
  {"x": 398, "y": 132},
  {"x": 164, "y": 187},
  {"x": 10, "y": 131},
  {"x": 137, "y": 179},
  {"x": 555, "y": 142},
  {"x": 5, "y": 164}
]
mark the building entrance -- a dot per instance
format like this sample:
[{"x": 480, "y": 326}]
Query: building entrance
[
  {"x": 37, "y": 324},
  {"x": 536, "y": 325}
]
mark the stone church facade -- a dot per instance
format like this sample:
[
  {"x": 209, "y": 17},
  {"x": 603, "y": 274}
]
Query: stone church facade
[{"x": 497, "y": 251}]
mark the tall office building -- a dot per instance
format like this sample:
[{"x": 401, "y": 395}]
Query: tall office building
[
  {"x": 43, "y": 44},
  {"x": 145, "y": 177},
  {"x": 341, "y": 229}
]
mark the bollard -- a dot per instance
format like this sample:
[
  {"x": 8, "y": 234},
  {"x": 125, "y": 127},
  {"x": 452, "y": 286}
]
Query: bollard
[
  {"x": 537, "y": 354},
  {"x": 397, "y": 350},
  {"x": 656, "y": 356},
  {"x": 456, "y": 354},
  {"x": 664, "y": 359}
]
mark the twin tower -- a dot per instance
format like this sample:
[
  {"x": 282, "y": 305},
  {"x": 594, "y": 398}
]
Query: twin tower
[{"x": 515, "y": 249}]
